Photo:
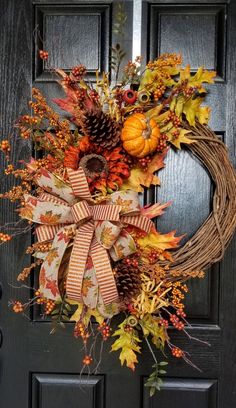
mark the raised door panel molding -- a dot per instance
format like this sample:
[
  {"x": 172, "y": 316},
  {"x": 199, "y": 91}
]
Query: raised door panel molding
[
  {"x": 71, "y": 34},
  {"x": 67, "y": 390},
  {"x": 195, "y": 31},
  {"x": 183, "y": 393}
]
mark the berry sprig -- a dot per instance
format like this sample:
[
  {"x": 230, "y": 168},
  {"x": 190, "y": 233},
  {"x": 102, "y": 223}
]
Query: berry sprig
[
  {"x": 43, "y": 55},
  {"x": 105, "y": 330},
  {"x": 79, "y": 71}
]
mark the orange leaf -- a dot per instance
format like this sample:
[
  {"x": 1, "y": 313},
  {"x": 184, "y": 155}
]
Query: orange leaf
[
  {"x": 154, "y": 210},
  {"x": 160, "y": 241},
  {"x": 140, "y": 178}
]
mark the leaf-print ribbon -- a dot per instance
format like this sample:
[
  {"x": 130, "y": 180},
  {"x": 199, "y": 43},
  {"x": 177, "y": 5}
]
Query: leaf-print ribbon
[{"x": 63, "y": 209}]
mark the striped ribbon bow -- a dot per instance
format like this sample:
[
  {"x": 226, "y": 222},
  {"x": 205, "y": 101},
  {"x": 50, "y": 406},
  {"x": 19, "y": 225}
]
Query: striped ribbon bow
[{"x": 98, "y": 230}]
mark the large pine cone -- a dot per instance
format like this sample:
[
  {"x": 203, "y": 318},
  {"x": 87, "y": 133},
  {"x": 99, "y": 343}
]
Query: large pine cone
[
  {"x": 102, "y": 129},
  {"x": 128, "y": 281}
]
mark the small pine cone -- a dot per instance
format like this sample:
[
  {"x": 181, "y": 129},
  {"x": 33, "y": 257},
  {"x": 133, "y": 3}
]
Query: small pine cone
[
  {"x": 102, "y": 129},
  {"x": 128, "y": 281}
]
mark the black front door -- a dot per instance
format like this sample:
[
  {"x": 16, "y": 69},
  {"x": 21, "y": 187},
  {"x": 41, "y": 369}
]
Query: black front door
[{"x": 38, "y": 370}]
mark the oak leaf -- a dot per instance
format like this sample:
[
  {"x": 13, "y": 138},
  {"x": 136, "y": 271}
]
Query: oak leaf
[{"x": 128, "y": 343}]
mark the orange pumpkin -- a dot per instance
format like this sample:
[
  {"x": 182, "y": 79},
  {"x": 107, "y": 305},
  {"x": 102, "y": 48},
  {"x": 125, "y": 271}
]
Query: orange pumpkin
[{"x": 140, "y": 135}]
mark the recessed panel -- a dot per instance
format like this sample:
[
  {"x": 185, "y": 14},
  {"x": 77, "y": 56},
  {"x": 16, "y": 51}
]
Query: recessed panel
[
  {"x": 71, "y": 35},
  {"x": 181, "y": 393},
  {"x": 64, "y": 390},
  {"x": 196, "y": 32}
]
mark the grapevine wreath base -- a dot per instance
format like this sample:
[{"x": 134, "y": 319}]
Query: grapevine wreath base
[
  {"x": 99, "y": 252},
  {"x": 208, "y": 244}
]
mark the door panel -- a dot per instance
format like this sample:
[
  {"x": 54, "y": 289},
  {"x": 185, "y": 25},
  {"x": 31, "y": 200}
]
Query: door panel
[{"x": 42, "y": 371}]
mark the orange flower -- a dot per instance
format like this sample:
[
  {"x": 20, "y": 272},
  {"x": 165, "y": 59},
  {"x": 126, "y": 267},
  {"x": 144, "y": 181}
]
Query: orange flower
[{"x": 71, "y": 157}]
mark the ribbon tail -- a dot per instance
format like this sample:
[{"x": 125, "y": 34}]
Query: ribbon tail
[
  {"x": 104, "y": 274},
  {"x": 78, "y": 261},
  {"x": 49, "y": 271}
]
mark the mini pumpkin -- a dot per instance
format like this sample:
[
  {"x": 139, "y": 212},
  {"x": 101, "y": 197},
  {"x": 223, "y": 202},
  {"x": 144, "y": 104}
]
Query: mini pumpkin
[{"x": 140, "y": 135}]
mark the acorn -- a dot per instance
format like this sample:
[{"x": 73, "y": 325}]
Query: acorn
[{"x": 130, "y": 96}]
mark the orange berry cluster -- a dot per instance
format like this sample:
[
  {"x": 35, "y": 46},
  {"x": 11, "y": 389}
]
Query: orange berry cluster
[
  {"x": 81, "y": 331},
  {"x": 9, "y": 169},
  {"x": 132, "y": 261},
  {"x": 181, "y": 313},
  {"x": 175, "y": 134},
  {"x": 105, "y": 330},
  {"x": 162, "y": 142},
  {"x": 177, "y": 352},
  {"x": 69, "y": 81},
  {"x": 79, "y": 72},
  {"x": 144, "y": 162},
  {"x": 94, "y": 95},
  {"x": 18, "y": 307},
  {"x": 5, "y": 146},
  {"x": 43, "y": 55},
  {"x": 87, "y": 360},
  {"x": 177, "y": 323},
  {"x": 174, "y": 119},
  {"x": 164, "y": 322},
  {"x": 128, "y": 328},
  {"x": 49, "y": 306},
  {"x": 159, "y": 91},
  {"x": 4, "y": 237}
]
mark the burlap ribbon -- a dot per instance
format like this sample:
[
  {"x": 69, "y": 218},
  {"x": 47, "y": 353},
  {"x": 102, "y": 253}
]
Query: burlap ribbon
[{"x": 98, "y": 229}]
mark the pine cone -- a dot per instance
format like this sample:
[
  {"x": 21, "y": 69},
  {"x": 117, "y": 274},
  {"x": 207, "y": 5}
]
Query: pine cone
[
  {"x": 102, "y": 129},
  {"x": 128, "y": 281}
]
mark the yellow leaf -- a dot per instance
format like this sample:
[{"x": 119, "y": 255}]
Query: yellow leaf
[
  {"x": 77, "y": 315},
  {"x": 182, "y": 138},
  {"x": 128, "y": 343},
  {"x": 160, "y": 241},
  {"x": 190, "y": 109},
  {"x": 185, "y": 73},
  {"x": 140, "y": 178},
  {"x": 202, "y": 75},
  {"x": 203, "y": 114}
]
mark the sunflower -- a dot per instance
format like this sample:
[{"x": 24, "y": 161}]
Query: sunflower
[{"x": 105, "y": 169}]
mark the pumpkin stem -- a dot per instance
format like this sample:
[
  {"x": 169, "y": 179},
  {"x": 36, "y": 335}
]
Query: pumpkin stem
[{"x": 148, "y": 131}]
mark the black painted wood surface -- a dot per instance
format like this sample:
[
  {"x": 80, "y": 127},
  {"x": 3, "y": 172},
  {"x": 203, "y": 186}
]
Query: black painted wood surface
[{"x": 42, "y": 371}]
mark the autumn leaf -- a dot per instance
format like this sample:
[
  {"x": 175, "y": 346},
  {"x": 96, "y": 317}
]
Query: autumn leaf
[
  {"x": 50, "y": 218},
  {"x": 107, "y": 237},
  {"x": 125, "y": 204},
  {"x": 86, "y": 285},
  {"x": 160, "y": 241},
  {"x": 52, "y": 286},
  {"x": 27, "y": 212},
  {"x": 52, "y": 254},
  {"x": 181, "y": 138},
  {"x": 152, "y": 211},
  {"x": 128, "y": 343},
  {"x": 140, "y": 178},
  {"x": 203, "y": 114},
  {"x": 150, "y": 326}
]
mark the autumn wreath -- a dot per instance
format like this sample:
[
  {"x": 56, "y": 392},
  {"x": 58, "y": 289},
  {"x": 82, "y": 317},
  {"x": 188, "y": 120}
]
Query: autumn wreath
[{"x": 98, "y": 249}]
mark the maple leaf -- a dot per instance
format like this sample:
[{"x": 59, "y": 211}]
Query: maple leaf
[
  {"x": 86, "y": 285},
  {"x": 52, "y": 254},
  {"x": 154, "y": 210},
  {"x": 181, "y": 138},
  {"x": 128, "y": 343},
  {"x": 140, "y": 178},
  {"x": 160, "y": 241},
  {"x": 107, "y": 237},
  {"x": 52, "y": 286}
]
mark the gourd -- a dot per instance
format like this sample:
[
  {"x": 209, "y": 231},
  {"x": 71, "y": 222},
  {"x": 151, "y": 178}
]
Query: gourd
[{"x": 140, "y": 135}]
